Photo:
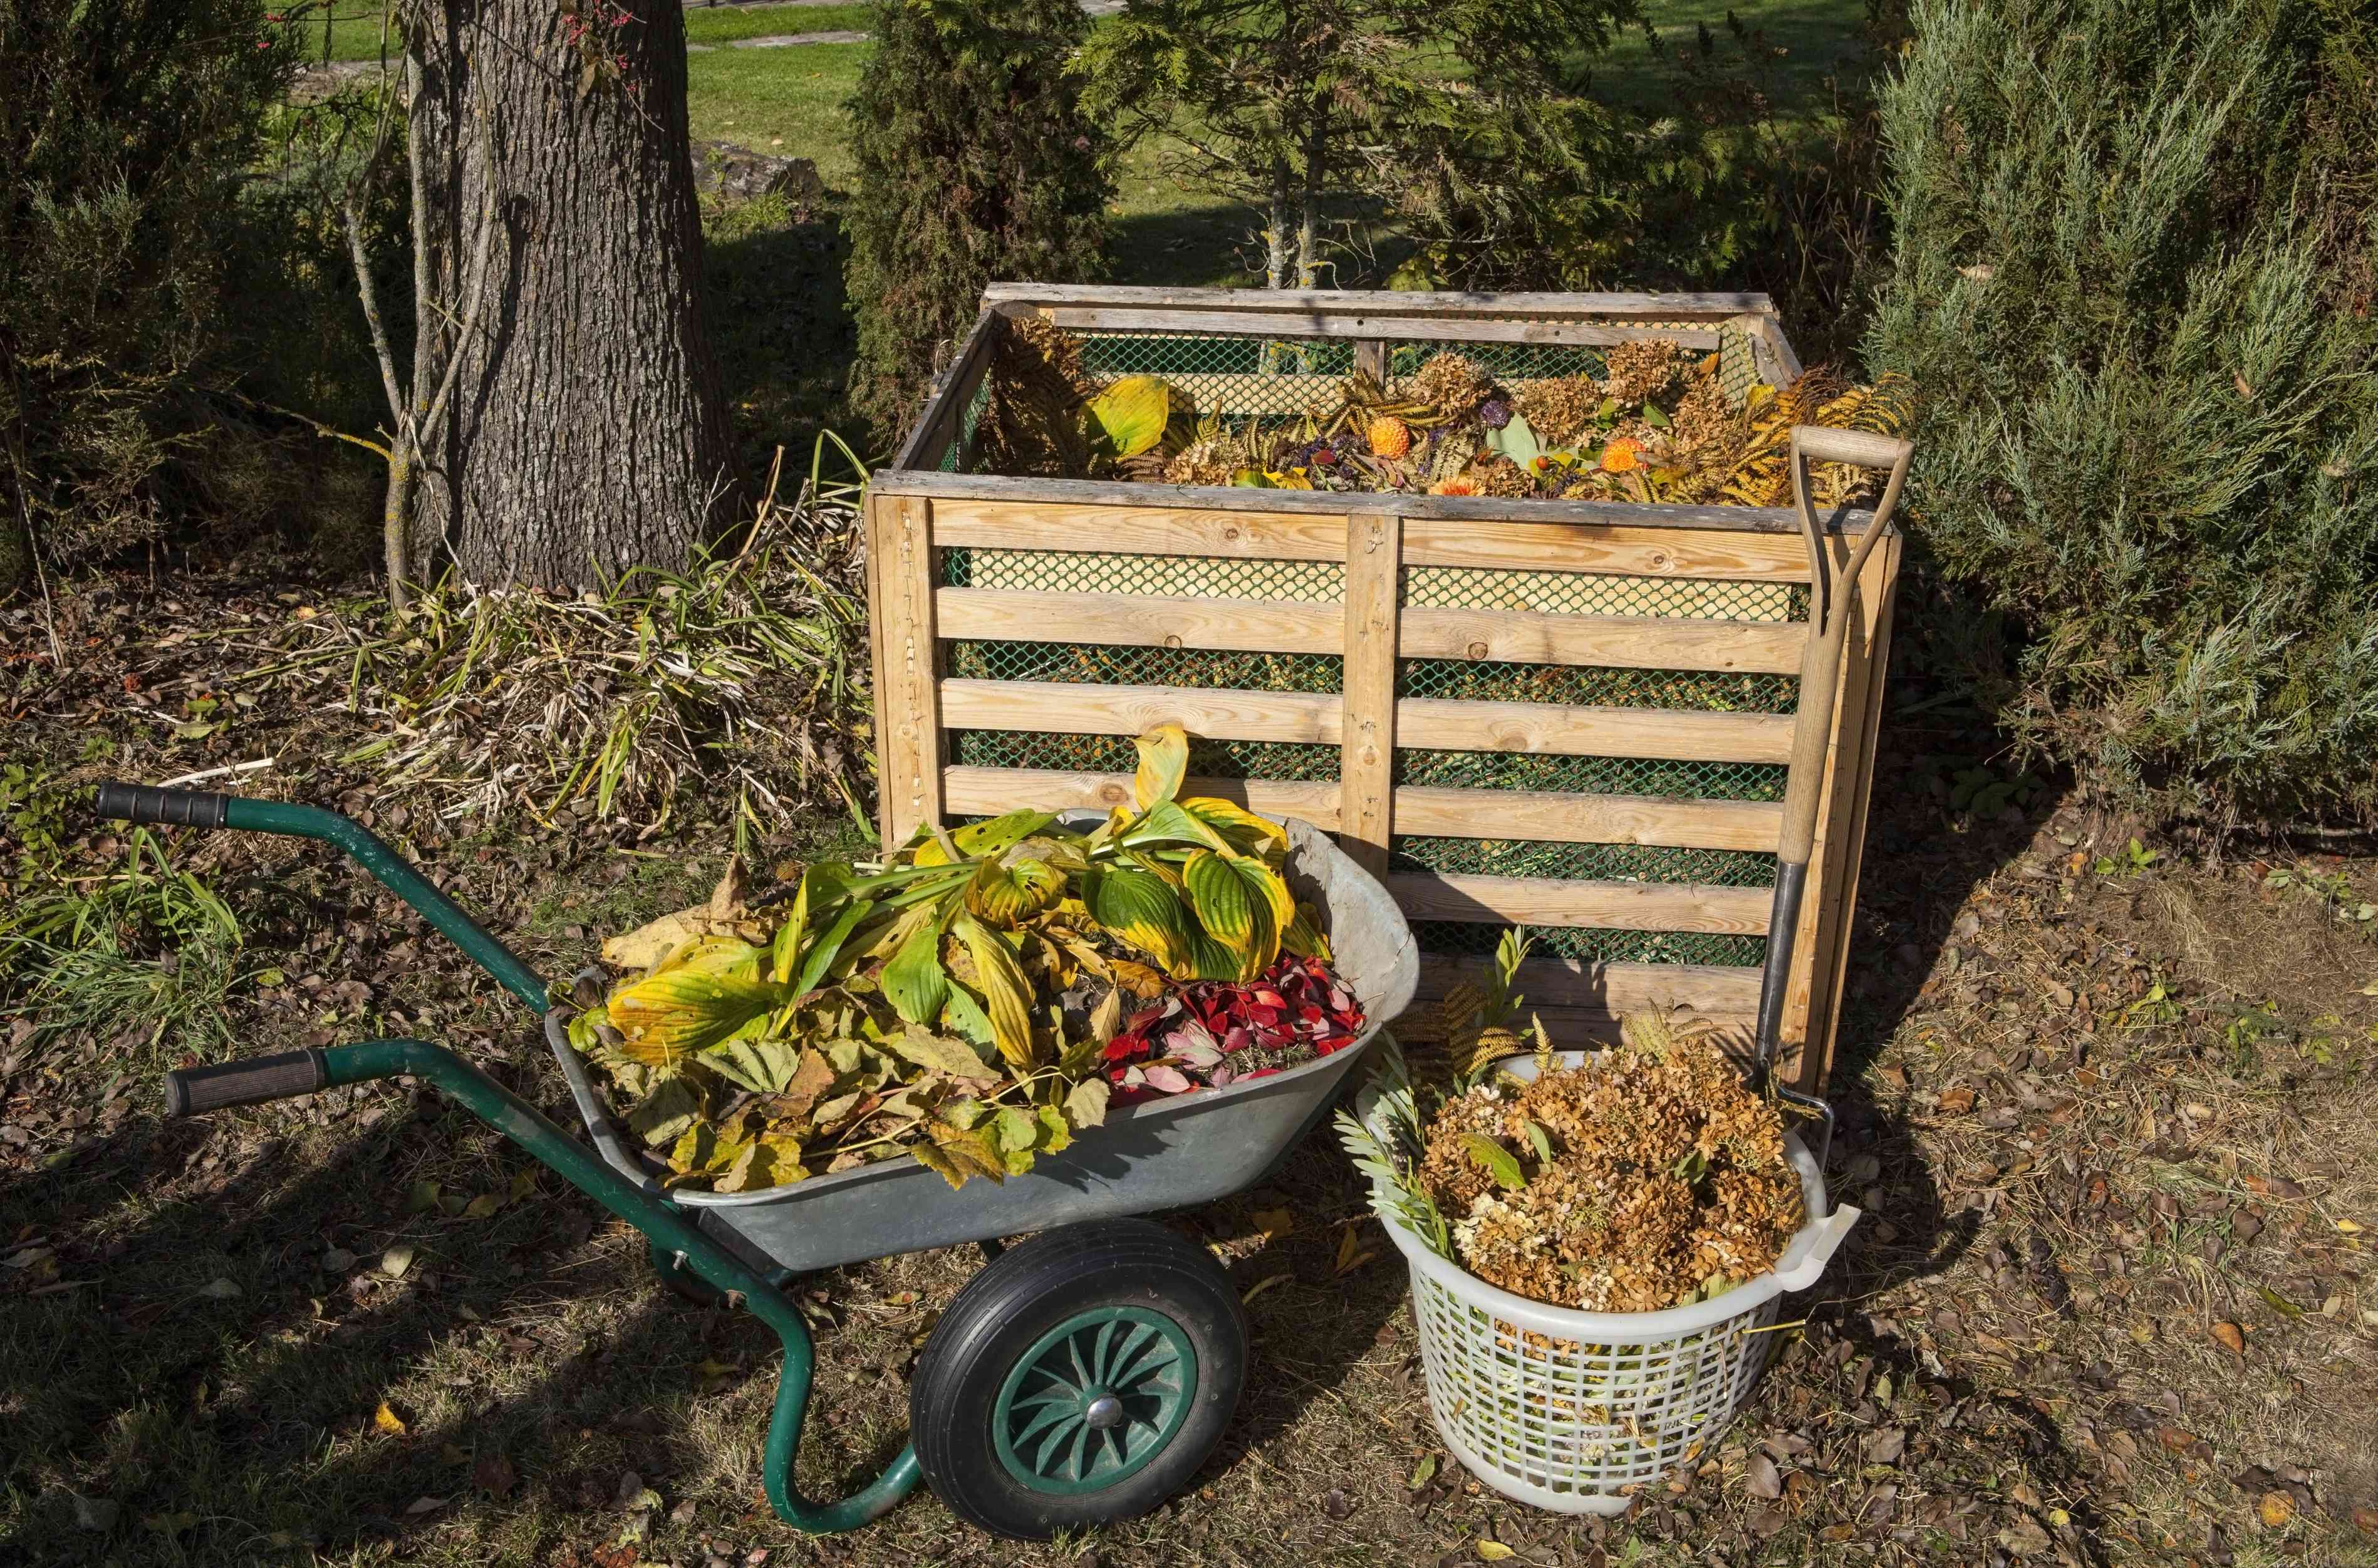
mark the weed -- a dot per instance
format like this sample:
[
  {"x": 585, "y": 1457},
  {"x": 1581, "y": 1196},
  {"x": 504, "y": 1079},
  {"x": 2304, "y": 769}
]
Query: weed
[
  {"x": 143, "y": 952},
  {"x": 745, "y": 669},
  {"x": 2131, "y": 860},
  {"x": 2332, "y": 889}
]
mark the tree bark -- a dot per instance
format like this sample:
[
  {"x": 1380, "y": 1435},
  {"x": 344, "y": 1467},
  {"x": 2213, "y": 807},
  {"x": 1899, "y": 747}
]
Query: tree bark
[
  {"x": 587, "y": 431},
  {"x": 1277, "y": 248}
]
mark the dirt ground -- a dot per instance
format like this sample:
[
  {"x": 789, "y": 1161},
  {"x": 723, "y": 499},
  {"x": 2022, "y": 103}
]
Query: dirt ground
[{"x": 2111, "y": 1117}]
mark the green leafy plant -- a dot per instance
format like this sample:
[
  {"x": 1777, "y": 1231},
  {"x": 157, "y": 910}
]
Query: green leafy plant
[
  {"x": 2131, "y": 860},
  {"x": 955, "y": 1002}
]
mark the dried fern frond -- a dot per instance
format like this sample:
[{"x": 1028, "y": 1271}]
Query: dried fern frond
[{"x": 1761, "y": 473}]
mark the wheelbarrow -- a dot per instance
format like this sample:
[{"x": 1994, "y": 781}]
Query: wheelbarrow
[{"x": 1081, "y": 1377}]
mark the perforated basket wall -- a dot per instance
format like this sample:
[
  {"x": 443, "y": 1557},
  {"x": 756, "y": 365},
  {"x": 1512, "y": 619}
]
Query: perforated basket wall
[
  {"x": 1568, "y": 1424},
  {"x": 1588, "y": 713}
]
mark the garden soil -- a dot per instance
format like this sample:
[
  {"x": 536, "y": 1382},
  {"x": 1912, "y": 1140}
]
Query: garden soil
[{"x": 2112, "y": 1119}]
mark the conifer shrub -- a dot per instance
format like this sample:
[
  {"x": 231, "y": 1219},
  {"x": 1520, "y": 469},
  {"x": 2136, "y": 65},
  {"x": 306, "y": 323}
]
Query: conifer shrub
[
  {"x": 2123, "y": 281},
  {"x": 973, "y": 164},
  {"x": 126, "y": 130}
]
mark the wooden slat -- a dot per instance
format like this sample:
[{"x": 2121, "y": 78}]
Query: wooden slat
[
  {"x": 1342, "y": 324},
  {"x": 1085, "y": 505},
  {"x": 1366, "y": 774},
  {"x": 908, "y": 719},
  {"x": 1441, "y": 303},
  {"x": 1534, "y": 547},
  {"x": 1429, "y": 724},
  {"x": 1141, "y": 621},
  {"x": 1637, "y": 643},
  {"x": 1713, "y": 991},
  {"x": 944, "y": 412},
  {"x": 1548, "y": 817},
  {"x": 1544, "y": 901},
  {"x": 1148, "y": 528},
  {"x": 1282, "y": 625},
  {"x": 1058, "y": 709},
  {"x": 971, "y": 792}
]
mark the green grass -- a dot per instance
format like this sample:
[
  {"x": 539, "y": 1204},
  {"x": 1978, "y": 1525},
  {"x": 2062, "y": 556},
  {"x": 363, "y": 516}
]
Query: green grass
[
  {"x": 1818, "y": 38},
  {"x": 784, "y": 102},
  {"x": 355, "y": 26},
  {"x": 724, "y": 24}
]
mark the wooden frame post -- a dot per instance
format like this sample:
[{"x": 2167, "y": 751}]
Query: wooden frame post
[
  {"x": 1366, "y": 774},
  {"x": 908, "y": 689}
]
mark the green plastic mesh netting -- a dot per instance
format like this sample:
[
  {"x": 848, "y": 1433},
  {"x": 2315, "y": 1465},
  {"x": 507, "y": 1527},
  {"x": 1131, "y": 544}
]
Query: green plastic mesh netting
[{"x": 1255, "y": 375}]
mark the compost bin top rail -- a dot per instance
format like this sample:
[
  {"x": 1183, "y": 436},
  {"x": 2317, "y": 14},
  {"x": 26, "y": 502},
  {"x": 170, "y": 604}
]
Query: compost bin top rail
[
  {"x": 1387, "y": 305},
  {"x": 934, "y": 484}
]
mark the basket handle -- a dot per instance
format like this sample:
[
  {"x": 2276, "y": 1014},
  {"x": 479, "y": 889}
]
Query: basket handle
[{"x": 1831, "y": 1232}]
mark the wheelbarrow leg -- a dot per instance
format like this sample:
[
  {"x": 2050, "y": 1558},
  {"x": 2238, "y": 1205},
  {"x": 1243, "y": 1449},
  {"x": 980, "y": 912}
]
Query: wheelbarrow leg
[{"x": 673, "y": 1237}]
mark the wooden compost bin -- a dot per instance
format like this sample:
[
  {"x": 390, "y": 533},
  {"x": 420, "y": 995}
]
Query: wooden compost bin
[{"x": 1567, "y": 715}]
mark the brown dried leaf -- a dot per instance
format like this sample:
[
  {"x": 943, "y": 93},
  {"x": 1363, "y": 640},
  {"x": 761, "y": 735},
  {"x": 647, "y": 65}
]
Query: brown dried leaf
[
  {"x": 2232, "y": 1339},
  {"x": 1763, "y": 1481}
]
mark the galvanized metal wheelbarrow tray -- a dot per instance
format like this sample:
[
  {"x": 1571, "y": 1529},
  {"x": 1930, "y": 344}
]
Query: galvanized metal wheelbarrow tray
[{"x": 742, "y": 1248}]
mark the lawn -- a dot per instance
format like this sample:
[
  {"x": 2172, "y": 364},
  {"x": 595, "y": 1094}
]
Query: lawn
[{"x": 355, "y": 25}]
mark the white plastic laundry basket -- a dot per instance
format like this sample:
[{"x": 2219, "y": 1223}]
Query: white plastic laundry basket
[{"x": 1576, "y": 1411}]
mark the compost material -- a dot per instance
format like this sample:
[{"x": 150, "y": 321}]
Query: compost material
[
  {"x": 1648, "y": 1178},
  {"x": 975, "y": 1001},
  {"x": 1657, "y": 428}
]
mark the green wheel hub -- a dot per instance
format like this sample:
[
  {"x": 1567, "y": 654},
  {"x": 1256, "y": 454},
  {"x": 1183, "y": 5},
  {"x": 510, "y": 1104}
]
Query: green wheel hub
[{"x": 1094, "y": 1400}]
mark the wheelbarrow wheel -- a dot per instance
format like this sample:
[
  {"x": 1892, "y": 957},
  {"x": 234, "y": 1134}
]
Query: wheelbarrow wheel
[{"x": 1082, "y": 1378}]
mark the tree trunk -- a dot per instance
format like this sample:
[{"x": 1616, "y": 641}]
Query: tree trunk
[
  {"x": 1277, "y": 248},
  {"x": 587, "y": 431},
  {"x": 1308, "y": 239}
]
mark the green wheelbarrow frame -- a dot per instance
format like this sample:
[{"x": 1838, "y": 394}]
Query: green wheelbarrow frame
[{"x": 679, "y": 1247}]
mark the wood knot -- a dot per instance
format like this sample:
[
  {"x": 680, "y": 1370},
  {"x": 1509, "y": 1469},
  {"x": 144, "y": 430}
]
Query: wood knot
[
  {"x": 1477, "y": 650},
  {"x": 1173, "y": 640}
]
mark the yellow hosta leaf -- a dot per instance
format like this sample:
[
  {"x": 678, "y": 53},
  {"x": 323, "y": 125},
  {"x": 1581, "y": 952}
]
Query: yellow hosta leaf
[
  {"x": 1304, "y": 937},
  {"x": 1245, "y": 831},
  {"x": 1140, "y": 908},
  {"x": 688, "y": 1009},
  {"x": 1163, "y": 763},
  {"x": 1009, "y": 895},
  {"x": 1236, "y": 900},
  {"x": 1134, "y": 412},
  {"x": 1006, "y": 989}
]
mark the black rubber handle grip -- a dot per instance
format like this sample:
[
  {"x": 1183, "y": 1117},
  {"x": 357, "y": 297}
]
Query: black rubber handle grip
[
  {"x": 193, "y": 1091},
  {"x": 145, "y": 803}
]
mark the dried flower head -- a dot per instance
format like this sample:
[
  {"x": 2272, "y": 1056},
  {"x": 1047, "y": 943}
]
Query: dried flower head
[
  {"x": 1624, "y": 455},
  {"x": 1558, "y": 409},
  {"x": 1640, "y": 368},
  {"x": 1451, "y": 383}
]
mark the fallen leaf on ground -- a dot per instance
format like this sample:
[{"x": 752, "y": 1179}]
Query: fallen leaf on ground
[
  {"x": 387, "y": 1421},
  {"x": 494, "y": 1475},
  {"x": 482, "y": 1206},
  {"x": 1763, "y": 1481},
  {"x": 219, "y": 1290},
  {"x": 2232, "y": 1339},
  {"x": 1260, "y": 1286},
  {"x": 1422, "y": 1472},
  {"x": 426, "y": 1505},
  {"x": 1350, "y": 1255},
  {"x": 2276, "y": 1508},
  {"x": 1492, "y": 1550},
  {"x": 1275, "y": 1223},
  {"x": 1885, "y": 1447},
  {"x": 396, "y": 1259},
  {"x": 1956, "y": 1102}
]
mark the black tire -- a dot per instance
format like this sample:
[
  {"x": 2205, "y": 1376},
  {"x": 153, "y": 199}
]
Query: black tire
[{"x": 1144, "y": 1287}]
